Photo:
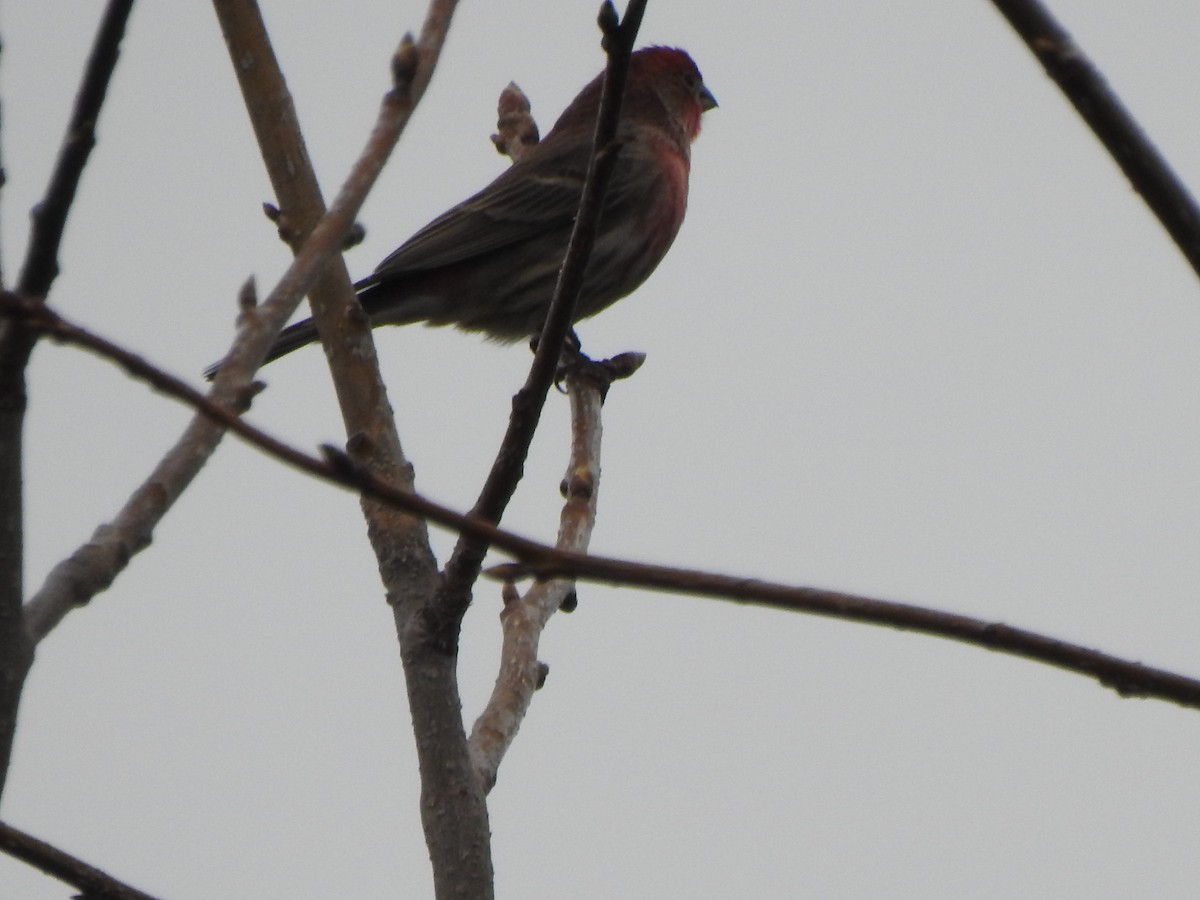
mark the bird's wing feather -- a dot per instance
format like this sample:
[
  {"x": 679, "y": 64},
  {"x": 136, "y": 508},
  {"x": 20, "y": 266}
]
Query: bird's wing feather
[
  {"x": 509, "y": 210},
  {"x": 522, "y": 203}
]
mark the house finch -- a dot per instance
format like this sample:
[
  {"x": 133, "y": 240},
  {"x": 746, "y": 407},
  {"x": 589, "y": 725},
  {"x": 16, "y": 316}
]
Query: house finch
[{"x": 490, "y": 263}]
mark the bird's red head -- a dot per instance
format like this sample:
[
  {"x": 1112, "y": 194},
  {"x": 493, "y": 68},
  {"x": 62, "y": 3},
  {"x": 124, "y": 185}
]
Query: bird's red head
[
  {"x": 673, "y": 76},
  {"x": 664, "y": 87}
]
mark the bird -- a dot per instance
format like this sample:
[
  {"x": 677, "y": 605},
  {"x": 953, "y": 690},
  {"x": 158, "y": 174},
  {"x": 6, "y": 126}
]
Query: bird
[{"x": 490, "y": 263}]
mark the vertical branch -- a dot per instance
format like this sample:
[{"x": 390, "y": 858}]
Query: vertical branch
[
  {"x": 524, "y": 618},
  {"x": 16, "y": 343},
  {"x": 453, "y": 807},
  {"x": 463, "y": 567}
]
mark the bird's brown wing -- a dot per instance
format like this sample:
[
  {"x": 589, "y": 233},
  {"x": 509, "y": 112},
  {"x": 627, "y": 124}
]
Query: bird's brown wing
[
  {"x": 515, "y": 207},
  {"x": 523, "y": 202}
]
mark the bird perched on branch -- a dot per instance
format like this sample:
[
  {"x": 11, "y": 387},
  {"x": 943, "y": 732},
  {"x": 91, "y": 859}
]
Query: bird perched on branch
[{"x": 490, "y": 263}]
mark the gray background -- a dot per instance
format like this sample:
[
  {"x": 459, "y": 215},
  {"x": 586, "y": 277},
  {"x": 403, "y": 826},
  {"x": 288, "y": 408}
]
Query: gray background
[{"x": 918, "y": 339}]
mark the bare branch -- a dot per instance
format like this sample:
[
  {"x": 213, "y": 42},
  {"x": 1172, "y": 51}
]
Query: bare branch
[
  {"x": 95, "y": 884},
  {"x": 16, "y": 344},
  {"x": 93, "y": 566},
  {"x": 1129, "y": 679},
  {"x": 50, "y": 216},
  {"x": 463, "y": 567},
  {"x": 317, "y": 236},
  {"x": 524, "y": 618},
  {"x": 453, "y": 807},
  {"x": 1150, "y": 174}
]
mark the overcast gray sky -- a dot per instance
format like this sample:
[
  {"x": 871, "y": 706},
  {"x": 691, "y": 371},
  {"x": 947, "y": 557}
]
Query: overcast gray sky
[{"x": 918, "y": 338}]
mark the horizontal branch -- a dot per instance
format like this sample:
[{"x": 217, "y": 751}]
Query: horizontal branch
[{"x": 1129, "y": 679}]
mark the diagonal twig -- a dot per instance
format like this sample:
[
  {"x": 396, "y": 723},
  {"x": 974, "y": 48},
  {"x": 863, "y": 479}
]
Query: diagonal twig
[
  {"x": 346, "y": 336},
  {"x": 95, "y": 884},
  {"x": 50, "y": 215},
  {"x": 94, "y": 565},
  {"x": 1146, "y": 168}
]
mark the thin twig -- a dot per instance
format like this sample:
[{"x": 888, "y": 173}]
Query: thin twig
[
  {"x": 95, "y": 884},
  {"x": 50, "y": 215},
  {"x": 344, "y": 331},
  {"x": 1129, "y": 679},
  {"x": 524, "y": 618},
  {"x": 320, "y": 234},
  {"x": 16, "y": 343},
  {"x": 463, "y": 567},
  {"x": 93, "y": 566},
  {"x": 1148, "y": 171}
]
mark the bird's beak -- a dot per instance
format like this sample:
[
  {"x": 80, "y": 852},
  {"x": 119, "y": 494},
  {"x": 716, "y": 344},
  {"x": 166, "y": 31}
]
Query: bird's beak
[{"x": 707, "y": 100}]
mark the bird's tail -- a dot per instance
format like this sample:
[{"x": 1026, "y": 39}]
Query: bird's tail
[
  {"x": 382, "y": 305},
  {"x": 291, "y": 338}
]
